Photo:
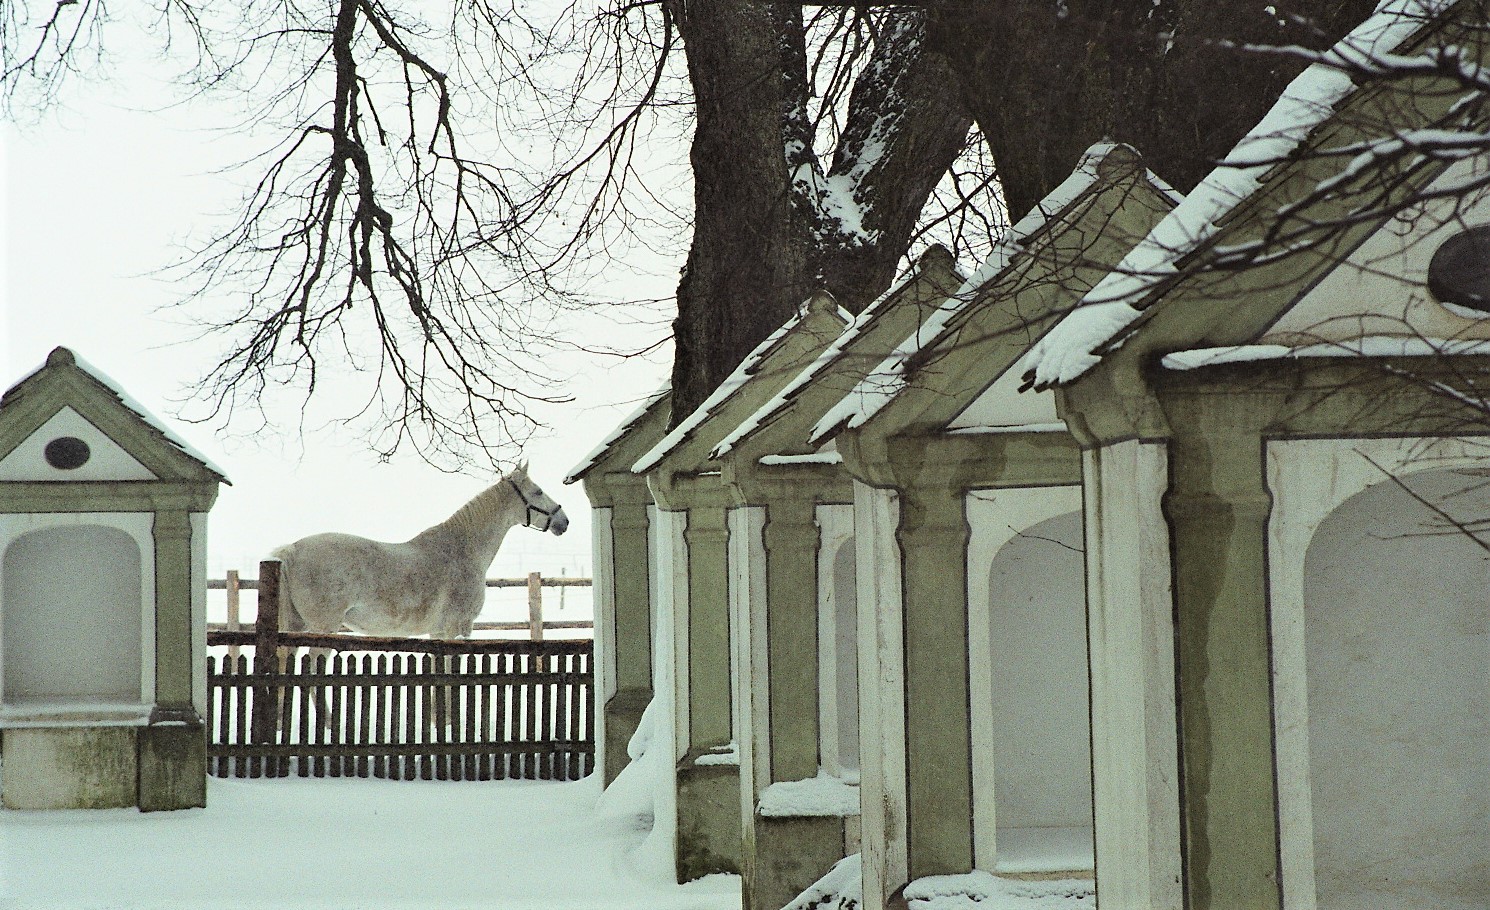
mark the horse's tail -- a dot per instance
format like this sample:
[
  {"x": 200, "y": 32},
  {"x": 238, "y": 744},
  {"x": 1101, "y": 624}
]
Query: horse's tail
[{"x": 290, "y": 619}]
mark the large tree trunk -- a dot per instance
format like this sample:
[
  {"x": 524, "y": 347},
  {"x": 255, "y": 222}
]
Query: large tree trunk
[
  {"x": 767, "y": 231},
  {"x": 1046, "y": 79}
]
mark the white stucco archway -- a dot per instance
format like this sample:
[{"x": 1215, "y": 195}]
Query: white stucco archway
[
  {"x": 1028, "y": 668},
  {"x": 1381, "y": 674}
]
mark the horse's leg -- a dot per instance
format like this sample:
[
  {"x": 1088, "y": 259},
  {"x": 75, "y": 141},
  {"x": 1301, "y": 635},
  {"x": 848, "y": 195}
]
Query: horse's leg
[{"x": 455, "y": 621}]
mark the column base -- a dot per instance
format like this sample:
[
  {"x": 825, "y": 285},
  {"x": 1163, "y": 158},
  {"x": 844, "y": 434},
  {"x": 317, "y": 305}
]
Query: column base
[
  {"x": 793, "y": 852},
  {"x": 708, "y": 819},
  {"x": 623, "y": 712}
]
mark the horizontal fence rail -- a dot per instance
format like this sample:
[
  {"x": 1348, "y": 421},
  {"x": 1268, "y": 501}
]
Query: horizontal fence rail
[
  {"x": 534, "y": 582},
  {"x": 397, "y": 708}
]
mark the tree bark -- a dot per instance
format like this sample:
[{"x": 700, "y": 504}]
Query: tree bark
[
  {"x": 763, "y": 239},
  {"x": 1046, "y": 79}
]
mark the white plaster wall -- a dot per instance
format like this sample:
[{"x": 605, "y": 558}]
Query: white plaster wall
[
  {"x": 107, "y": 461},
  {"x": 838, "y": 641},
  {"x": 881, "y": 693},
  {"x": 603, "y": 558},
  {"x": 1382, "y": 287},
  {"x": 1381, "y": 675},
  {"x": 1003, "y": 405},
  {"x": 665, "y": 534},
  {"x": 995, "y": 518},
  {"x": 671, "y": 562},
  {"x": 1130, "y": 603},
  {"x": 57, "y": 622},
  {"x": 1042, "y": 747},
  {"x": 750, "y": 681}
]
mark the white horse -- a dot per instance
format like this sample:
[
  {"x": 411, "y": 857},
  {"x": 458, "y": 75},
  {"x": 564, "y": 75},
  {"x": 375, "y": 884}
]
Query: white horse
[{"x": 434, "y": 584}]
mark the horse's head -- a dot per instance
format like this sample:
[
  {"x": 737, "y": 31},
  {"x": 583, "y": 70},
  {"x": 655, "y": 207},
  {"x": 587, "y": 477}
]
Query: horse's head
[{"x": 543, "y": 513}]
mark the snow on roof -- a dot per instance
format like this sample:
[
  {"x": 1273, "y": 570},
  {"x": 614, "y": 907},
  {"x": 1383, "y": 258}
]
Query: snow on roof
[
  {"x": 1368, "y": 346},
  {"x": 1067, "y": 351},
  {"x": 62, "y": 355},
  {"x": 812, "y": 458},
  {"x": 854, "y": 329},
  {"x": 886, "y": 381},
  {"x": 728, "y": 388},
  {"x": 624, "y": 427},
  {"x": 1050, "y": 427}
]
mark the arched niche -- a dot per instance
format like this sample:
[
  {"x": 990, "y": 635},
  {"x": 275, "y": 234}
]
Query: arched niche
[
  {"x": 1039, "y": 695},
  {"x": 1028, "y": 666},
  {"x": 1381, "y": 675},
  {"x": 838, "y": 641},
  {"x": 72, "y": 619},
  {"x": 1397, "y": 656}
]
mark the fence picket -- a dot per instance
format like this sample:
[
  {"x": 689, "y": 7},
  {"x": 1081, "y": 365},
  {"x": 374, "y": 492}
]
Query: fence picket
[{"x": 508, "y": 709}]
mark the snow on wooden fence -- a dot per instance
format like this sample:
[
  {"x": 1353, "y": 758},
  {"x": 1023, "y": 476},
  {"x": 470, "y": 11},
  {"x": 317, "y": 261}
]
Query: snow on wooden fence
[{"x": 400, "y": 708}]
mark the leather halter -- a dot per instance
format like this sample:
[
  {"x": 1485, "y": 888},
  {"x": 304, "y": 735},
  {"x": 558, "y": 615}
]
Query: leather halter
[{"x": 548, "y": 515}]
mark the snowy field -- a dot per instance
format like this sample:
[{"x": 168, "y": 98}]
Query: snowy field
[{"x": 353, "y": 844}]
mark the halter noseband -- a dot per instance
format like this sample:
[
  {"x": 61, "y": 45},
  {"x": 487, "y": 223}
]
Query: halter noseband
[{"x": 548, "y": 516}]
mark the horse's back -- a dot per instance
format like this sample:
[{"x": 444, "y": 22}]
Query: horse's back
[{"x": 374, "y": 587}]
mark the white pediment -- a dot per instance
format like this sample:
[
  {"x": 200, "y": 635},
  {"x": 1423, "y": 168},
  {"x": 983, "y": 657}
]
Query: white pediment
[
  {"x": 1381, "y": 289},
  {"x": 105, "y": 460},
  {"x": 1003, "y": 405}
]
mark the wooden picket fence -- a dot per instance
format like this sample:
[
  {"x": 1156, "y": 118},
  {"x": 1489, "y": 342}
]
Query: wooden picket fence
[{"x": 398, "y": 708}]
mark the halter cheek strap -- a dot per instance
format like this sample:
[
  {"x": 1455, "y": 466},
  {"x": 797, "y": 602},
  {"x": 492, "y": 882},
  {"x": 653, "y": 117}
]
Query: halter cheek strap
[{"x": 548, "y": 515}]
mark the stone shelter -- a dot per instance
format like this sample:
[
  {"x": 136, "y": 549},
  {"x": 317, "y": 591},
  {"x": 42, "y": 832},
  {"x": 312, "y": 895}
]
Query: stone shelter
[
  {"x": 693, "y": 690},
  {"x": 792, "y": 584},
  {"x": 1283, "y": 471},
  {"x": 967, "y": 523},
  {"x": 621, "y": 506},
  {"x": 103, "y": 581}
]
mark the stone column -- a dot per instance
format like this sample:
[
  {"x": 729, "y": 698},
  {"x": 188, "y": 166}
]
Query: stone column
[
  {"x": 631, "y": 635},
  {"x": 1218, "y": 508},
  {"x": 709, "y": 823},
  {"x": 172, "y": 757},
  {"x": 933, "y": 538}
]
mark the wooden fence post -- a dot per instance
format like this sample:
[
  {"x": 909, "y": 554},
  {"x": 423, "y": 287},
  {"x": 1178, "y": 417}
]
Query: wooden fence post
[
  {"x": 234, "y": 623},
  {"x": 266, "y": 657},
  {"x": 535, "y": 606}
]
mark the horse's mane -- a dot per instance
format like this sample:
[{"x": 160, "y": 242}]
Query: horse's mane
[{"x": 484, "y": 506}]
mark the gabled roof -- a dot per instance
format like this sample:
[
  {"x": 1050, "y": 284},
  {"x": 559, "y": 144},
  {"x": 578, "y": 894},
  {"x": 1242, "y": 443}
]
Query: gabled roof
[
  {"x": 650, "y": 416},
  {"x": 1107, "y": 312},
  {"x": 759, "y": 376},
  {"x": 844, "y": 362},
  {"x": 66, "y": 381},
  {"x": 1046, "y": 253}
]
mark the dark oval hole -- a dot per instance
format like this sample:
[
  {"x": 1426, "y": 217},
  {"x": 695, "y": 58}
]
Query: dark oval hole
[
  {"x": 1459, "y": 272},
  {"x": 67, "y": 452}
]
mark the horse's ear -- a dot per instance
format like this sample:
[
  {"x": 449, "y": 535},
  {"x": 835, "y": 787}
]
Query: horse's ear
[{"x": 522, "y": 468}]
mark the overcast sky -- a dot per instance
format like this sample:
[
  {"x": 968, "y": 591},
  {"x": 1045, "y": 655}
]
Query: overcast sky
[{"x": 100, "y": 195}]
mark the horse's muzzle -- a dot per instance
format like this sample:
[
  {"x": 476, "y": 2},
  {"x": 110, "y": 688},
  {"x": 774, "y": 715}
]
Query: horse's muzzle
[{"x": 558, "y": 524}]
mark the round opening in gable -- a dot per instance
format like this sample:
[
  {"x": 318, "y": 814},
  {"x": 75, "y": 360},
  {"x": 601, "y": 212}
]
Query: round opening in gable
[
  {"x": 1459, "y": 273},
  {"x": 65, "y": 453}
]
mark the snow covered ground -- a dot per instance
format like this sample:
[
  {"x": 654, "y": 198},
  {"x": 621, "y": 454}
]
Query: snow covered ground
[{"x": 353, "y": 844}]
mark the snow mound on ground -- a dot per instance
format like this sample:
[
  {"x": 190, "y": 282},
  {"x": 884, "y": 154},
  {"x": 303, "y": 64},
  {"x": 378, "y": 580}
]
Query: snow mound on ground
[
  {"x": 632, "y": 799},
  {"x": 841, "y": 889}
]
